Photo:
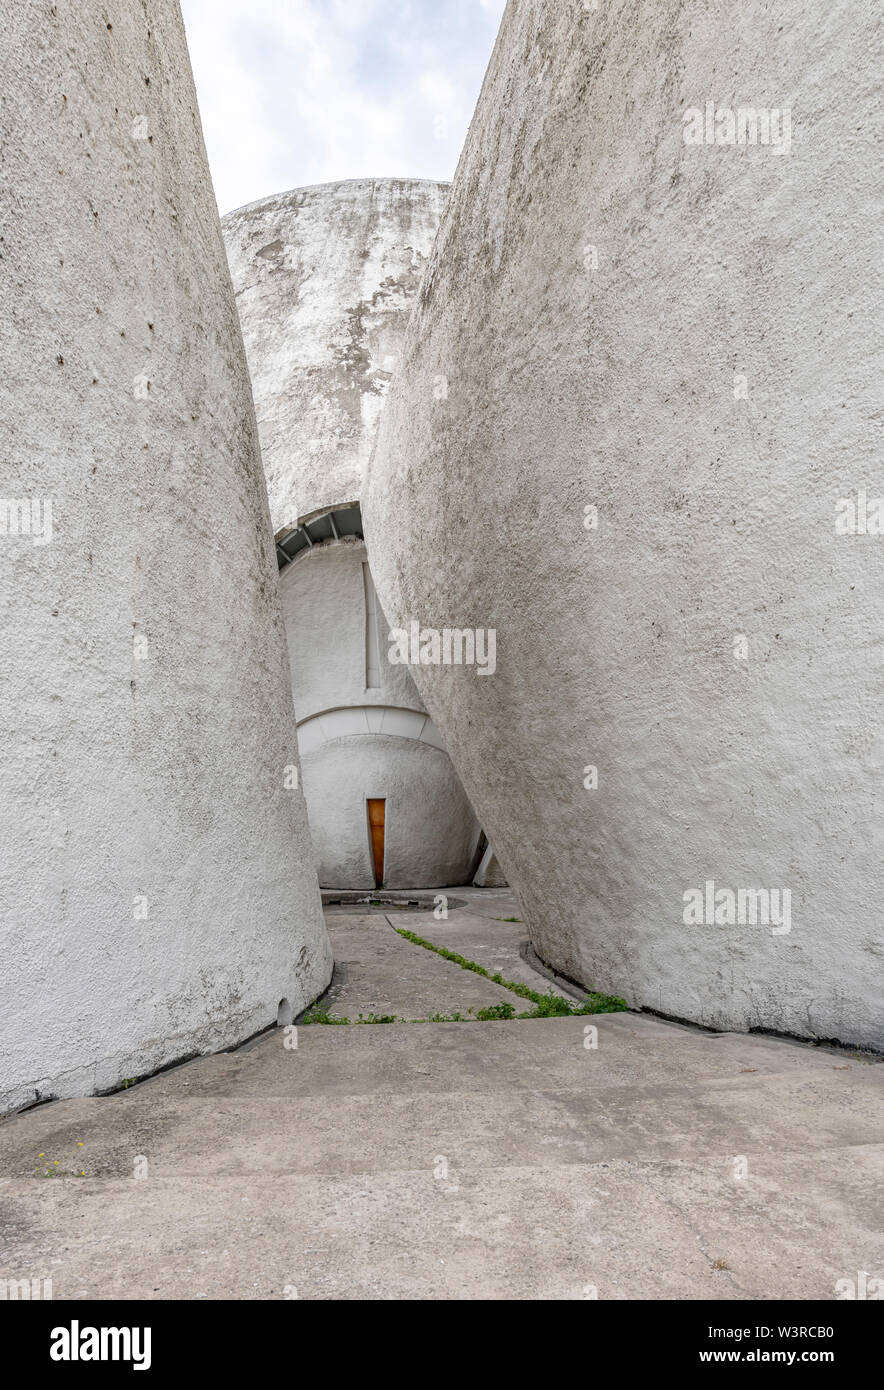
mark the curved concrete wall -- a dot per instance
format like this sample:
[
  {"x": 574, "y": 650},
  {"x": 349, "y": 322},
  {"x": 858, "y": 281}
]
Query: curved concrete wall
[
  {"x": 364, "y": 733},
  {"x": 325, "y": 594},
  {"x": 158, "y": 894},
  {"x": 678, "y": 336},
  {"x": 430, "y": 834},
  {"x": 324, "y": 279}
]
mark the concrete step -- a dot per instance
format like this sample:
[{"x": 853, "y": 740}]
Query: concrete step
[
  {"x": 521, "y": 1093},
  {"x": 523, "y": 1054},
  {"x": 798, "y": 1224}
]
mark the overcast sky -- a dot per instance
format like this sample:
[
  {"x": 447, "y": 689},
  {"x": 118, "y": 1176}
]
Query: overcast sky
[{"x": 294, "y": 92}]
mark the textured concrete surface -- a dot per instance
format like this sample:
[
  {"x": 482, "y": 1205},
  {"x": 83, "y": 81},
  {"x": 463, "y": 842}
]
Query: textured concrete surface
[
  {"x": 378, "y": 972},
  {"x": 478, "y": 934},
  {"x": 363, "y": 732},
  {"x": 430, "y": 832},
  {"x": 324, "y": 282},
  {"x": 624, "y": 1231},
  {"x": 684, "y": 339},
  {"x": 324, "y": 279},
  {"x": 157, "y": 892},
  {"x": 458, "y": 1160},
  {"x": 489, "y": 873}
]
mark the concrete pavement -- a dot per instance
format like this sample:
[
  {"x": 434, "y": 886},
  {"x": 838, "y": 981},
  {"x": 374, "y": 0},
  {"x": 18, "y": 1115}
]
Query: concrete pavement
[{"x": 521, "y": 1159}]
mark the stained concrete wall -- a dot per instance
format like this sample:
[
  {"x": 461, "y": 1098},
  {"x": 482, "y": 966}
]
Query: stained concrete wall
[
  {"x": 682, "y": 337},
  {"x": 362, "y": 740},
  {"x": 324, "y": 279},
  {"x": 158, "y": 895}
]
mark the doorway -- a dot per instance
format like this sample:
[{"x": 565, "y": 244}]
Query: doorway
[{"x": 376, "y": 820}]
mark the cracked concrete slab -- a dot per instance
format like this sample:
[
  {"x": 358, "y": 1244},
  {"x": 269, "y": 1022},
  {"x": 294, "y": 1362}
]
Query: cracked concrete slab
[
  {"x": 491, "y": 941},
  {"x": 378, "y": 972}
]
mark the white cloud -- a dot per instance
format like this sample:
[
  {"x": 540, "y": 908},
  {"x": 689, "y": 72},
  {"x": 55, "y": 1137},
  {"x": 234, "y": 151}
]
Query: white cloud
[{"x": 294, "y": 92}]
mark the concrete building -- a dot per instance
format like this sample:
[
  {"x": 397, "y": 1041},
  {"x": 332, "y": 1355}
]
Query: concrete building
[
  {"x": 324, "y": 280},
  {"x": 157, "y": 895},
  {"x": 652, "y": 474}
]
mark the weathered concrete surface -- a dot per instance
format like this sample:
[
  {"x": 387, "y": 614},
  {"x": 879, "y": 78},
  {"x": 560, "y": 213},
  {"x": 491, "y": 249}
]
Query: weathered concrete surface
[
  {"x": 653, "y": 1230},
  {"x": 380, "y": 973},
  {"x": 431, "y": 830},
  {"x": 683, "y": 338},
  {"x": 482, "y": 936},
  {"x": 157, "y": 893},
  {"x": 461, "y": 1160},
  {"x": 324, "y": 279},
  {"x": 363, "y": 732},
  {"x": 489, "y": 873}
]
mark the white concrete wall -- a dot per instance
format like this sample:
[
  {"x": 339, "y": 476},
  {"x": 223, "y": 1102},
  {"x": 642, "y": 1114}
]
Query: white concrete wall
[
  {"x": 599, "y": 295},
  {"x": 359, "y": 741},
  {"x": 324, "y": 279},
  {"x": 489, "y": 873},
  {"x": 157, "y": 896},
  {"x": 323, "y": 605},
  {"x": 431, "y": 833}
]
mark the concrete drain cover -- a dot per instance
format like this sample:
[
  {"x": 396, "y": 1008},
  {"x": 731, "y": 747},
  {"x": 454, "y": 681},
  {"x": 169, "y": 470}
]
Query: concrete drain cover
[{"x": 386, "y": 902}]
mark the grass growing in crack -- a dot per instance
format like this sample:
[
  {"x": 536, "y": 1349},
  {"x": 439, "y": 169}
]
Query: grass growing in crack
[
  {"x": 554, "y": 1006},
  {"x": 495, "y": 1011},
  {"x": 507, "y": 919},
  {"x": 547, "y": 1005},
  {"x": 323, "y": 1016}
]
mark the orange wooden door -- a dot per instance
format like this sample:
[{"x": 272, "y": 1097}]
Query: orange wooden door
[{"x": 376, "y": 817}]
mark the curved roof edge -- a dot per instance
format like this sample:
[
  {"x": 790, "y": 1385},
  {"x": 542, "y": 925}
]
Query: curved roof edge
[{"x": 333, "y": 183}]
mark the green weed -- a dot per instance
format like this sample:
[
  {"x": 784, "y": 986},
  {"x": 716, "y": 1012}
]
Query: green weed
[{"x": 547, "y": 1005}]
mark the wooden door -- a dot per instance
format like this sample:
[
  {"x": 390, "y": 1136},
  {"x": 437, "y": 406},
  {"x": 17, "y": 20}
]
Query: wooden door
[{"x": 376, "y": 817}]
